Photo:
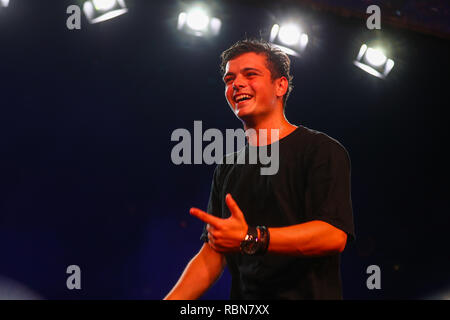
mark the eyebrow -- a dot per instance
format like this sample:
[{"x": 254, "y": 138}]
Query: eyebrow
[{"x": 243, "y": 70}]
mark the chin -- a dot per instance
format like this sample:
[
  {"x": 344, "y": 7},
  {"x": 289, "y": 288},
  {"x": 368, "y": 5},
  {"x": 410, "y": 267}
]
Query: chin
[
  {"x": 242, "y": 114},
  {"x": 246, "y": 111}
]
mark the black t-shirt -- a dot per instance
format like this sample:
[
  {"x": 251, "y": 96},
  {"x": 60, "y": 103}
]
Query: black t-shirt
[{"x": 312, "y": 183}]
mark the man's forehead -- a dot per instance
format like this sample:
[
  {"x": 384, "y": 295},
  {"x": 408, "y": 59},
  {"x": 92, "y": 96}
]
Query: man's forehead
[{"x": 247, "y": 60}]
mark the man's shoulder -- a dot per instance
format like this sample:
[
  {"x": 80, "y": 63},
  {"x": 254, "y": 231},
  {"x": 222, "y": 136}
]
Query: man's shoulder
[
  {"x": 319, "y": 139},
  {"x": 323, "y": 146}
]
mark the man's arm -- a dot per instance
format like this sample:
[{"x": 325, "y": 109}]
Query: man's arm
[
  {"x": 313, "y": 238},
  {"x": 198, "y": 276}
]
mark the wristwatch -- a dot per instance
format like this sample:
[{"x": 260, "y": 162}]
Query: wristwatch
[{"x": 250, "y": 245}]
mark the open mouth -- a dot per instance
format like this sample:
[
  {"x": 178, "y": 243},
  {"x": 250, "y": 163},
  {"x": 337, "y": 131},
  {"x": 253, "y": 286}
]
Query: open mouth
[{"x": 242, "y": 97}]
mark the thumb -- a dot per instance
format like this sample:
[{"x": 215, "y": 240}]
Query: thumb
[{"x": 234, "y": 208}]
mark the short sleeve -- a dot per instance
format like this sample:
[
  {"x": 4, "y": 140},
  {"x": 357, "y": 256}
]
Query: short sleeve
[
  {"x": 329, "y": 185},
  {"x": 214, "y": 204}
]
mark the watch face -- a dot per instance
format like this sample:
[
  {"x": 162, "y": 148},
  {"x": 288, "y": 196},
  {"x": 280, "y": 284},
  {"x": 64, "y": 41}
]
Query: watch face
[{"x": 249, "y": 247}]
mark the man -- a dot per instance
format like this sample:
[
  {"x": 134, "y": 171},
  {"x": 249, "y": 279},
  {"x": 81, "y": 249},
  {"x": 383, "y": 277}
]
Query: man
[{"x": 280, "y": 235}]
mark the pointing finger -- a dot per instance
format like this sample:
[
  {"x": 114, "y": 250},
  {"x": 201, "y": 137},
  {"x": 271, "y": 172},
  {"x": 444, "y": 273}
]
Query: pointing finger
[{"x": 206, "y": 217}]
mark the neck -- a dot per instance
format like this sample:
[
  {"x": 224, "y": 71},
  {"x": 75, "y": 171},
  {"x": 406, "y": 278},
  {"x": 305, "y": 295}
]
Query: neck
[{"x": 258, "y": 138}]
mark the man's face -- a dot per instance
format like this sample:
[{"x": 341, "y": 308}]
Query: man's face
[{"x": 249, "y": 88}]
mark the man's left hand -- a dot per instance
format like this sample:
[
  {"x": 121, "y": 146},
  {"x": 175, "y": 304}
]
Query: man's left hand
[{"x": 224, "y": 235}]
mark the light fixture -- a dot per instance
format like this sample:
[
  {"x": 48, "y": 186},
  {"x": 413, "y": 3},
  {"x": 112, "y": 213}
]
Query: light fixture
[
  {"x": 197, "y": 21},
  {"x": 374, "y": 61},
  {"x": 4, "y": 3},
  {"x": 290, "y": 38},
  {"x": 102, "y": 10}
]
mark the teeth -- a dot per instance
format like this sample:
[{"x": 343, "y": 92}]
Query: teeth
[{"x": 242, "y": 97}]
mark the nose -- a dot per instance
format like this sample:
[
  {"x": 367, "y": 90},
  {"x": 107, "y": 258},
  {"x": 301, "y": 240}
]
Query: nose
[{"x": 239, "y": 82}]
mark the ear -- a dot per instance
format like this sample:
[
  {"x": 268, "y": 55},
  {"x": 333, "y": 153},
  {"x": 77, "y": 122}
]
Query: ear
[{"x": 282, "y": 85}]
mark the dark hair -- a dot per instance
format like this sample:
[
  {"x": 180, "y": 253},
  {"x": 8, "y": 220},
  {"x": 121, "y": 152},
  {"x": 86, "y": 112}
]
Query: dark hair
[{"x": 278, "y": 62}]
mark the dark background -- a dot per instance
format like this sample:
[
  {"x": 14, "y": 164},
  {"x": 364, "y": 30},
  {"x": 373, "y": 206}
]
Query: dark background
[{"x": 86, "y": 118}]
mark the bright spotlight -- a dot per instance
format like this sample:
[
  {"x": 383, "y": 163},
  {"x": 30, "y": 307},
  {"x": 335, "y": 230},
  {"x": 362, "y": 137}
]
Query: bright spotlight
[
  {"x": 289, "y": 35},
  {"x": 198, "y": 22},
  {"x": 304, "y": 40},
  {"x": 4, "y": 3},
  {"x": 104, "y": 5},
  {"x": 289, "y": 38},
  {"x": 374, "y": 61},
  {"x": 375, "y": 57},
  {"x": 102, "y": 10}
]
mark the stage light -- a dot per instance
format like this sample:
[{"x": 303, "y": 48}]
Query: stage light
[
  {"x": 4, "y": 3},
  {"x": 375, "y": 57},
  {"x": 289, "y": 35},
  {"x": 198, "y": 22},
  {"x": 289, "y": 38},
  {"x": 374, "y": 61},
  {"x": 102, "y": 10},
  {"x": 103, "y": 5}
]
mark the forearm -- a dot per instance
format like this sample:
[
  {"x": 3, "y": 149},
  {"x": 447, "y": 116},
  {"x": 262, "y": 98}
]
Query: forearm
[
  {"x": 314, "y": 238},
  {"x": 200, "y": 273}
]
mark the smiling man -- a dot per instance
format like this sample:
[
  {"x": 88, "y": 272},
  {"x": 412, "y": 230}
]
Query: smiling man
[{"x": 280, "y": 235}]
